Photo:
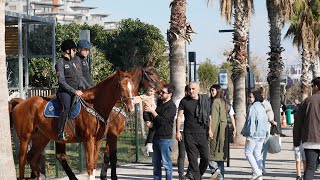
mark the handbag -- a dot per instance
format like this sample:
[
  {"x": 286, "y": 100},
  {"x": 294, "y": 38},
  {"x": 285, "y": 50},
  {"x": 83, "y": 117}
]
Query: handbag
[{"x": 274, "y": 142}]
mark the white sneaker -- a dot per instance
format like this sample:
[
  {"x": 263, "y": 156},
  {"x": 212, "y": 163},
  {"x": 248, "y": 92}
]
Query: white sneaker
[
  {"x": 145, "y": 151},
  {"x": 215, "y": 174},
  {"x": 149, "y": 147}
]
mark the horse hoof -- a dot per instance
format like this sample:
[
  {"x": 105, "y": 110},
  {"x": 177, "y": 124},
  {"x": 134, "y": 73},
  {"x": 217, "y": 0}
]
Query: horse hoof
[
  {"x": 74, "y": 178},
  {"x": 103, "y": 177}
]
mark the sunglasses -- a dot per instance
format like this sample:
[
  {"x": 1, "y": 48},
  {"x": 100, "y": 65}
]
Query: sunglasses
[{"x": 163, "y": 92}]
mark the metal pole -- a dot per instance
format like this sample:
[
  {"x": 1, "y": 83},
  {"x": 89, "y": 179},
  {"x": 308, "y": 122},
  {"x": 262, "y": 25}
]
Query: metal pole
[
  {"x": 20, "y": 58},
  {"x": 26, "y": 58},
  {"x": 53, "y": 43},
  {"x": 136, "y": 131},
  {"x": 190, "y": 71},
  {"x": 195, "y": 70},
  {"x": 248, "y": 60}
]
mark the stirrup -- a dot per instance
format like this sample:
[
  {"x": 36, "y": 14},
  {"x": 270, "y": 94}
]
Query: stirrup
[{"x": 63, "y": 137}]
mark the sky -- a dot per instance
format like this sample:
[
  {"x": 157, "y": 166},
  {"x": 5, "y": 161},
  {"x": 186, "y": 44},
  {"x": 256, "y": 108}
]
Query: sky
[{"x": 205, "y": 21}]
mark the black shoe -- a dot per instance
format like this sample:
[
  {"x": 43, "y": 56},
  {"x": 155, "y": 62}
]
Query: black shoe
[
  {"x": 189, "y": 176},
  {"x": 182, "y": 177},
  {"x": 298, "y": 178}
]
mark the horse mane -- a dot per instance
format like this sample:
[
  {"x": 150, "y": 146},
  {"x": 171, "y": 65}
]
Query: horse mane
[{"x": 89, "y": 94}]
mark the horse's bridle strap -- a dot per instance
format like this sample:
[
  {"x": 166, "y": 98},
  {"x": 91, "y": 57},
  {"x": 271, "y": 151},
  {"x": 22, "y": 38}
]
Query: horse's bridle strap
[
  {"x": 91, "y": 111},
  {"x": 119, "y": 110}
]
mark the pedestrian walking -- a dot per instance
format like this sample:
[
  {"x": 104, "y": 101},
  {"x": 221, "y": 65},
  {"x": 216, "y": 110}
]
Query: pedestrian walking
[
  {"x": 181, "y": 145},
  {"x": 255, "y": 130},
  {"x": 306, "y": 129},
  {"x": 218, "y": 144},
  {"x": 268, "y": 108},
  {"x": 196, "y": 110},
  {"x": 163, "y": 118}
]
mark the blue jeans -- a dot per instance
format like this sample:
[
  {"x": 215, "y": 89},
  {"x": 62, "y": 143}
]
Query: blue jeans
[
  {"x": 162, "y": 153},
  {"x": 253, "y": 149},
  {"x": 264, "y": 152},
  {"x": 214, "y": 165}
]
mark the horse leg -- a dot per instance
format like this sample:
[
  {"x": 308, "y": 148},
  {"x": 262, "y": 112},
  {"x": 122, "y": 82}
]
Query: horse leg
[
  {"x": 96, "y": 154},
  {"x": 39, "y": 142},
  {"x": 106, "y": 161},
  {"x": 113, "y": 156},
  {"x": 24, "y": 141},
  {"x": 89, "y": 146},
  {"x": 61, "y": 155}
]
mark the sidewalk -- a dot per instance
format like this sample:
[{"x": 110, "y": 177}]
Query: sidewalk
[{"x": 279, "y": 166}]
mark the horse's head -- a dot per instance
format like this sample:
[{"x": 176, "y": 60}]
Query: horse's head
[
  {"x": 150, "y": 76},
  {"x": 125, "y": 88}
]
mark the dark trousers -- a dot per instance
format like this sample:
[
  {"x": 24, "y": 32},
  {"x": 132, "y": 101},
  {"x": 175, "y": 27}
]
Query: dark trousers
[
  {"x": 150, "y": 136},
  {"x": 182, "y": 155},
  {"x": 148, "y": 117},
  {"x": 65, "y": 100},
  {"x": 197, "y": 144},
  {"x": 312, "y": 156}
]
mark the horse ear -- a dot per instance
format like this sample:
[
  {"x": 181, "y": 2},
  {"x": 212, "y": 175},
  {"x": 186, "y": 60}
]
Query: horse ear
[{"x": 149, "y": 63}]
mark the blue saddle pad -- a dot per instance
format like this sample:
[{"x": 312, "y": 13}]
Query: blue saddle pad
[{"x": 53, "y": 109}]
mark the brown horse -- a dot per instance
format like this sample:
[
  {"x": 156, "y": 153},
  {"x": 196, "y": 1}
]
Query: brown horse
[
  {"x": 142, "y": 77},
  {"x": 30, "y": 123}
]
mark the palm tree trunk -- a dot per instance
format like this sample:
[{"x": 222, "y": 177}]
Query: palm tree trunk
[
  {"x": 305, "y": 62},
  {"x": 7, "y": 170},
  {"x": 176, "y": 41},
  {"x": 315, "y": 59},
  {"x": 275, "y": 60},
  {"x": 239, "y": 65}
]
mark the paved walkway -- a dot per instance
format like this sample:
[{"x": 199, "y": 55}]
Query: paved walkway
[{"x": 279, "y": 166}]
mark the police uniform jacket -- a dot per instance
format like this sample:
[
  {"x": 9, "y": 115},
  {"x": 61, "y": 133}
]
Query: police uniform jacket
[
  {"x": 70, "y": 77},
  {"x": 85, "y": 69}
]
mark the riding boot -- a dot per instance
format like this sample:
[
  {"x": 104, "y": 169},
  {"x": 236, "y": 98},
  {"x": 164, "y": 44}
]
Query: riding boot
[{"x": 61, "y": 124}]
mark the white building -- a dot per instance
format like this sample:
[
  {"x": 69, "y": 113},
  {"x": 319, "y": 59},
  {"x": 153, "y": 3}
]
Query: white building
[{"x": 65, "y": 11}]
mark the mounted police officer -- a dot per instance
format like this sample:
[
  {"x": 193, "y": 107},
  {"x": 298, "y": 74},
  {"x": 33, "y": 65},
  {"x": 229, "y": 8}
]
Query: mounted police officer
[
  {"x": 70, "y": 81},
  {"x": 83, "y": 48}
]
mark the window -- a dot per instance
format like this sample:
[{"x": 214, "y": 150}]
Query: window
[{"x": 12, "y": 8}]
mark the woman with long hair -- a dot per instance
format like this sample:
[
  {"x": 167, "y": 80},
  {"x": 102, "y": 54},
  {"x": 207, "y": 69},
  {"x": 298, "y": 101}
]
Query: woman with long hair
[
  {"x": 218, "y": 150},
  {"x": 255, "y": 130}
]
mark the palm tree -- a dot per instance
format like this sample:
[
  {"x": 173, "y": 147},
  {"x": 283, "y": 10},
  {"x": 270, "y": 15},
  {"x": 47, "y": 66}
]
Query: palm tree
[
  {"x": 304, "y": 29},
  {"x": 6, "y": 157},
  {"x": 176, "y": 37},
  {"x": 238, "y": 57},
  {"x": 278, "y": 12}
]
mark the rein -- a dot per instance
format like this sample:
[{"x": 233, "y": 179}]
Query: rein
[{"x": 90, "y": 110}]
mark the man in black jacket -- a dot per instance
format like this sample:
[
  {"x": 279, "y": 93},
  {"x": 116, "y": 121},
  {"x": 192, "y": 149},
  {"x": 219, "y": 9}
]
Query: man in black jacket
[
  {"x": 163, "y": 116},
  {"x": 196, "y": 110}
]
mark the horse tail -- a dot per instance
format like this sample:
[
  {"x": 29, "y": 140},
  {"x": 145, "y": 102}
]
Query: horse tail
[{"x": 11, "y": 104}]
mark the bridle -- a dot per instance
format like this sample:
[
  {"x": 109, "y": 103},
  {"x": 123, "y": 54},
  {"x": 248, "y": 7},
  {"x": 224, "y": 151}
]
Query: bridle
[{"x": 146, "y": 76}]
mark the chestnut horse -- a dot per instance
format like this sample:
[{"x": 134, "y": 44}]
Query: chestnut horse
[
  {"x": 89, "y": 128},
  {"x": 142, "y": 77}
]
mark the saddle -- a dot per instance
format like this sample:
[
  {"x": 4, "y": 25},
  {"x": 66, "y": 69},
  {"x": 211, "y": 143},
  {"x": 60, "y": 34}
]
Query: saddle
[{"x": 53, "y": 109}]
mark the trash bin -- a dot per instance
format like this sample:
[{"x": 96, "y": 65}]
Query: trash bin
[{"x": 289, "y": 116}]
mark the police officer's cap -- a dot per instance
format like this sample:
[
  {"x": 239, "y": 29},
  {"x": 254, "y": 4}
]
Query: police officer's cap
[
  {"x": 68, "y": 44},
  {"x": 84, "y": 44}
]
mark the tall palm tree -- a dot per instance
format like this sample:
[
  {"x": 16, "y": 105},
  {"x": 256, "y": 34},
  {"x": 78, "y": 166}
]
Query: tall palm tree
[
  {"x": 176, "y": 37},
  {"x": 278, "y": 12},
  {"x": 7, "y": 170},
  {"x": 304, "y": 29},
  {"x": 243, "y": 10}
]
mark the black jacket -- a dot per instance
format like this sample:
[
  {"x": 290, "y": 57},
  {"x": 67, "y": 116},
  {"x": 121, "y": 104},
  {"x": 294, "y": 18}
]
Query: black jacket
[
  {"x": 203, "y": 109},
  {"x": 163, "y": 122},
  {"x": 70, "y": 78},
  {"x": 85, "y": 69}
]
